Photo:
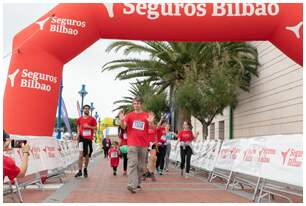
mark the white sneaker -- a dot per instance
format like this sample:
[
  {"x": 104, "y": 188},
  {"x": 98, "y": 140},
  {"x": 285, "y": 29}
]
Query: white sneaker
[{"x": 187, "y": 175}]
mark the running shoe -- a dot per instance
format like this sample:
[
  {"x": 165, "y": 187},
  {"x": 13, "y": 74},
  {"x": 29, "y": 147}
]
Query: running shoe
[
  {"x": 148, "y": 174},
  {"x": 79, "y": 174},
  {"x": 85, "y": 172},
  {"x": 131, "y": 189},
  {"x": 187, "y": 175}
]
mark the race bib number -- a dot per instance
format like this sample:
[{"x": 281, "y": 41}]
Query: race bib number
[
  {"x": 114, "y": 154},
  {"x": 81, "y": 146},
  {"x": 107, "y": 145},
  {"x": 138, "y": 125},
  {"x": 86, "y": 132}
]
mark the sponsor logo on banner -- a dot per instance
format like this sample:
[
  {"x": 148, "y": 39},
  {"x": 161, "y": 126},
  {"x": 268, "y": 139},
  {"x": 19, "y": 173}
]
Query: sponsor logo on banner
[
  {"x": 292, "y": 157},
  {"x": 265, "y": 155},
  {"x": 249, "y": 154},
  {"x": 33, "y": 80},
  {"x": 229, "y": 153},
  {"x": 62, "y": 25},
  {"x": 50, "y": 151},
  {"x": 262, "y": 155},
  {"x": 35, "y": 152},
  {"x": 154, "y": 11}
]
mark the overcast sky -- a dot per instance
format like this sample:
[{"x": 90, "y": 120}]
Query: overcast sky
[{"x": 102, "y": 89}]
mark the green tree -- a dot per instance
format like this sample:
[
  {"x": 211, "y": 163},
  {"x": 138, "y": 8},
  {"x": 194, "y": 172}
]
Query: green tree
[
  {"x": 206, "y": 94},
  {"x": 170, "y": 64},
  {"x": 72, "y": 123}
]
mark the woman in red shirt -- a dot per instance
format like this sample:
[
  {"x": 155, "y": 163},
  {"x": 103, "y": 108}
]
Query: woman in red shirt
[{"x": 185, "y": 137}]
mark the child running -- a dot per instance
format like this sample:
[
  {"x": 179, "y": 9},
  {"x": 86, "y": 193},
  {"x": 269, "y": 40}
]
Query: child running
[{"x": 113, "y": 155}]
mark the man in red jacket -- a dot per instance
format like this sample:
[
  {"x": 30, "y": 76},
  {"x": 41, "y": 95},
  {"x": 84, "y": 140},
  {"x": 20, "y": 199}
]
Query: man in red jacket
[
  {"x": 86, "y": 125},
  {"x": 137, "y": 125}
]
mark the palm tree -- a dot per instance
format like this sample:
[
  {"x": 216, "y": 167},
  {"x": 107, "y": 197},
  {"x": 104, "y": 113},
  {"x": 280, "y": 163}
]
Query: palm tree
[
  {"x": 170, "y": 64},
  {"x": 154, "y": 100},
  {"x": 164, "y": 67}
]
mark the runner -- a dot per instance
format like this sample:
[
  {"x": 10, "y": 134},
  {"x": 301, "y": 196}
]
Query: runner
[
  {"x": 185, "y": 137},
  {"x": 169, "y": 136},
  {"x": 123, "y": 148},
  {"x": 86, "y": 125},
  {"x": 137, "y": 124},
  {"x": 161, "y": 146},
  {"x": 113, "y": 155}
]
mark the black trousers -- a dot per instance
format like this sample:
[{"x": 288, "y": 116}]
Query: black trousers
[
  {"x": 186, "y": 154},
  {"x": 125, "y": 161},
  {"x": 105, "y": 151},
  {"x": 161, "y": 157}
]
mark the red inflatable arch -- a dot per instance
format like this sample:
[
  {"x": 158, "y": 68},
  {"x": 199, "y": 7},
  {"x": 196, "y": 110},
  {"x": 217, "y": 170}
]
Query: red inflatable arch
[{"x": 41, "y": 49}]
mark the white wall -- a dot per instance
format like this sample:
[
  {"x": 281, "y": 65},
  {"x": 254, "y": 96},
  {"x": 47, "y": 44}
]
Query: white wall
[{"x": 274, "y": 104}]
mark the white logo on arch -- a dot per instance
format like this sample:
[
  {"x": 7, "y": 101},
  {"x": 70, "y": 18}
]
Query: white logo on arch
[
  {"x": 12, "y": 77},
  {"x": 110, "y": 9},
  {"x": 42, "y": 23},
  {"x": 295, "y": 29}
]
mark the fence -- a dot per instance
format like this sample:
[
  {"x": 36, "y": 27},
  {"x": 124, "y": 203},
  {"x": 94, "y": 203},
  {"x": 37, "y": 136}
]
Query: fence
[
  {"x": 49, "y": 158},
  {"x": 271, "y": 165}
]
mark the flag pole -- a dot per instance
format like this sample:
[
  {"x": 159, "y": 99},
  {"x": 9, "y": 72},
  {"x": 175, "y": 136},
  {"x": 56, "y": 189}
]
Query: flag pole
[{"x": 59, "y": 112}]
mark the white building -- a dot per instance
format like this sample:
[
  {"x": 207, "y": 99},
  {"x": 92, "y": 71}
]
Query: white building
[{"x": 274, "y": 104}]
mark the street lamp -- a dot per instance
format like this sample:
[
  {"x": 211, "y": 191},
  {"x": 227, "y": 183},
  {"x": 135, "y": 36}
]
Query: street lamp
[
  {"x": 82, "y": 93},
  {"x": 91, "y": 108},
  {"x": 96, "y": 115},
  {"x": 99, "y": 129}
]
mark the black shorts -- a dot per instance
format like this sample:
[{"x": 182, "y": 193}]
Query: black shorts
[{"x": 87, "y": 146}]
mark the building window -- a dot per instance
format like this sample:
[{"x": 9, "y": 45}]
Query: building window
[
  {"x": 221, "y": 130},
  {"x": 212, "y": 131}
]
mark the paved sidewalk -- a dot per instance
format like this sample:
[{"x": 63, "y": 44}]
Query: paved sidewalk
[{"x": 102, "y": 186}]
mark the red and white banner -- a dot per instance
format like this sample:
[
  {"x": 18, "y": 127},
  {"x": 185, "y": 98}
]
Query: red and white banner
[
  {"x": 278, "y": 158},
  {"x": 204, "y": 153},
  {"x": 229, "y": 153},
  {"x": 47, "y": 153}
]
